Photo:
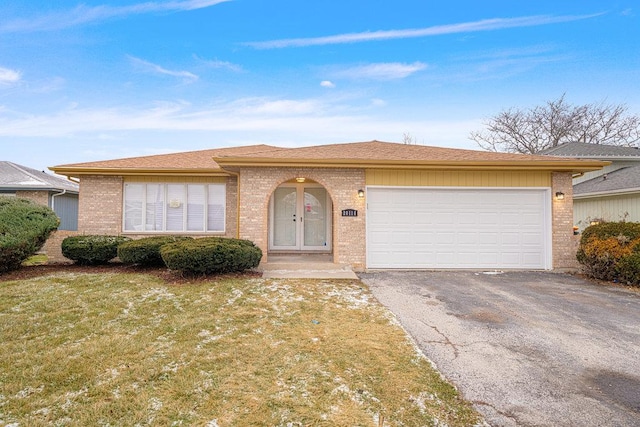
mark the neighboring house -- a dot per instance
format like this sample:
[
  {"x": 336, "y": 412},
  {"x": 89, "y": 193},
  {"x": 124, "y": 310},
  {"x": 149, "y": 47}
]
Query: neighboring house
[
  {"x": 609, "y": 194},
  {"x": 369, "y": 204},
  {"x": 59, "y": 194}
]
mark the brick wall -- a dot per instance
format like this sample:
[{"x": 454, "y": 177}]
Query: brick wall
[
  {"x": 100, "y": 205},
  {"x": 348, "y": 240},
  {"x": 231, "y": 219},
  {"x": 39, "y": 197},
  {"x": 53, "y": 247},
  {"x": 564, "y": 242}
]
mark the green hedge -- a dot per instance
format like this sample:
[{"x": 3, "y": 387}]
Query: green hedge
[
  {"x": 211, "y": 255},
  {"x": 146, "y": 251},
  {"x": 92, "y": 249},
  {"x": 611, "y": 251},
  {"x": 24, "y": 228}
]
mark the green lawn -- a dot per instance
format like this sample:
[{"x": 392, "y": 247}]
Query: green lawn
[{"x": 118, "y": 349}]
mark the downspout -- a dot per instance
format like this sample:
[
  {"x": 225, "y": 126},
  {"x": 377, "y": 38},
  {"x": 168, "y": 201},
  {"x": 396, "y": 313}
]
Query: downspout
[{"x": 53, "y": 199}]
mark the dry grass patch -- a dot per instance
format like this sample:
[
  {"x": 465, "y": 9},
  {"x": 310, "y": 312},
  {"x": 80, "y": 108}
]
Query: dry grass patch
[{"x": 128, "y": 349}]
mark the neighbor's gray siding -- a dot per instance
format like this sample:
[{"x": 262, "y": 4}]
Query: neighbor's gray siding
[
  {"x": 611, "y": 208},
  {"x": 66, "y": 207}
]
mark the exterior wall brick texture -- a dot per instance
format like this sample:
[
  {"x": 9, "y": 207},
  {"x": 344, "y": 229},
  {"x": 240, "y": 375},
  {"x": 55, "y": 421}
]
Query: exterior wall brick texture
[
  {"x": 100, "y": 205},
  {"x": 564, "y": 242},
  {"x": 53, "y": 247},
  {"x": 348, "y": 240},
  {"x": 39, "y": 197}
]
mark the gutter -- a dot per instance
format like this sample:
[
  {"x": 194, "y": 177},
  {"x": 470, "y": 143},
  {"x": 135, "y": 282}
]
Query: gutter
[
  {"x": 73, "y": 172},
  {"x": 557, "y": 165}
]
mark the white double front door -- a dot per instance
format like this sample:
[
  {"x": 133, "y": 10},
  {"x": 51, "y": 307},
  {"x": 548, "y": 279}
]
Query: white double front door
[{"x": 300, "y": 218}]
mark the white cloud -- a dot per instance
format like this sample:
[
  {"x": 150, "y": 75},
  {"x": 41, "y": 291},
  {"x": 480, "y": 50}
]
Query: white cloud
[
  {"x": 377, "y": 102},
  {"x": 8, "y": 76},
  {"x": 185, "y": 76},
  {"x": 83, "y": 14},
  {"x": 465, "y": 27},
  {"x": 279, "y": 107},
  {"x": 327, "y": 84},
  {"x": 215, "y": 63},
  {"x": 242, "y": 121},
  {"x": 381, "y": 71}
]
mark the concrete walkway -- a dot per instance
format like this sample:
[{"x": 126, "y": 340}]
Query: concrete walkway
[{"x": 305, "y": 266}]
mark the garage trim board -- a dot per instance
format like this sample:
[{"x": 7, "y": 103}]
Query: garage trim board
[{"x": 458, "y": 227}]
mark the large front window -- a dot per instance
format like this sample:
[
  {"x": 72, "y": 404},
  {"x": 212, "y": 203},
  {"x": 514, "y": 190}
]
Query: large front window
[{"x": 174, "y": 207}]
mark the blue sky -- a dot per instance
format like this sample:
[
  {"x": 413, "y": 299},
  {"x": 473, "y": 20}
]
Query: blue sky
[{"x": 108, "y": 79}]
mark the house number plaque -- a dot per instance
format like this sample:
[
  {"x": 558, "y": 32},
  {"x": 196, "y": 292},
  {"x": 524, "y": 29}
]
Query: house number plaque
[{"x": 349, "y": 212}]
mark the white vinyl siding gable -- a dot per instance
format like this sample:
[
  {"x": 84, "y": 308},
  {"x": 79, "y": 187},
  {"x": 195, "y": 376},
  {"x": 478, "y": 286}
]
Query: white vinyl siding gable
[{"x": 174, "y": 207}]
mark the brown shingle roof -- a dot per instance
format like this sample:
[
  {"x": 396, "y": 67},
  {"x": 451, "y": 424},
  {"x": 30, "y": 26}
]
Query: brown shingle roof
[
  {"x": 202, "y": 159},
  {"x": 387, "y": 154},
  {"x": 378, "y": 150},
  {"x": 370, "y": 154}
]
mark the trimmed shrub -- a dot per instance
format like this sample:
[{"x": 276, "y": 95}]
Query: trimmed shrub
[
  {"x": 612, "y": 229},
  {"x": 92, "y": 249},
  {"x": 609, "y": 251},
  {"x": 628, "y": 268},
  {"x": 211, "y": 255},
  {"x": 24, "y": 228},
  {"x": 146, "y": 251}
]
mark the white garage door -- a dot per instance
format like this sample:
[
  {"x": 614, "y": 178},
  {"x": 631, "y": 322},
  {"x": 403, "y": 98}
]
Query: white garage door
[{"x": 421, "y": 227}]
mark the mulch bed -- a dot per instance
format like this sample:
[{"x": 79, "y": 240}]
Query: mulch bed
[{"x": 168, "y": 276}]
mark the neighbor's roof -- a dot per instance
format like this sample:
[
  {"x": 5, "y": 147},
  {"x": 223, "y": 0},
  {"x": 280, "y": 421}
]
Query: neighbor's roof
[
  {"x": 593, "y": 151},
  {"x": 372, "y": 154},
  {"x": 624, "y": 180},
  {"x": 17, "y": 177}
]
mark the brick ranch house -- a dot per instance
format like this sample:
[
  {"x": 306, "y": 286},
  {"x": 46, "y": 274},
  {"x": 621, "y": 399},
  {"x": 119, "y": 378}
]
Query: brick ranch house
[{"x": 369, "y": 204}]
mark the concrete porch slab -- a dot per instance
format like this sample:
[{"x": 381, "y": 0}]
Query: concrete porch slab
[{"x": 306, "y": 266}]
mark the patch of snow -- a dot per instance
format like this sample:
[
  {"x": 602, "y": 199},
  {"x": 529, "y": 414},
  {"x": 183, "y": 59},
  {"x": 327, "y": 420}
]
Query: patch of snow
[
  {"x": 235, "y": 295},
  {"x": 155, "y": 404},
  {"x": 420, "y": 400},
  {"x": 42, "y": 411},
  {"x": 212, "y": 423},
  {"x": 28, "y": 391},
  {"x": 207, "y": 338},
  {"x": 355, "y": 298}
]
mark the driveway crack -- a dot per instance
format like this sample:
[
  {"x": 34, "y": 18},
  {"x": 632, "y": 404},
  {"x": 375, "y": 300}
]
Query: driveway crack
[
  {"x": 445, "y": 339},
  {"x": 498, "y": 411}
]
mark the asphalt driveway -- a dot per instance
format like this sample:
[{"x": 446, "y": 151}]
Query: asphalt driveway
[{"x": 528, "y": 348}]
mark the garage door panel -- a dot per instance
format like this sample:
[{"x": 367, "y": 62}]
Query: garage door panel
[
  {"x": 421, "y": 227},
  {"x": 468, "y": 238},
  {"x": 488, "y": 238}
]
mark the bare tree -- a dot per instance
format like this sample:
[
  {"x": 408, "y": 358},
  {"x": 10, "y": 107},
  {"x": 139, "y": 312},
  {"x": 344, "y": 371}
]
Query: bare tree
[
  {"x": 556, "y": 122},
  {"x": 409, "y": 139}
]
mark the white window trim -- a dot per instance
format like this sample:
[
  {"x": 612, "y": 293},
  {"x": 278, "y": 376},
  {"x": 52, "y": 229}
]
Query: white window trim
[{"x": 164, "y": 209}]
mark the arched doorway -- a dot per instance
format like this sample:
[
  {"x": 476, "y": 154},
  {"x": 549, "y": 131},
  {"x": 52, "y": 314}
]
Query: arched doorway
[{"x": 300, "y": 215}]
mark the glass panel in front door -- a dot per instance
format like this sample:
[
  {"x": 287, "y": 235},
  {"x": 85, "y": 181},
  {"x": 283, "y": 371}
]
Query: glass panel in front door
[
  {"x": 315, "y": 217},
  {"x": 284, "y": 216}
]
